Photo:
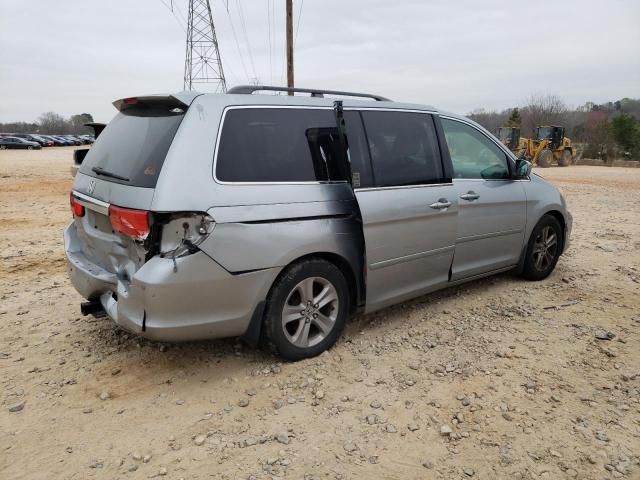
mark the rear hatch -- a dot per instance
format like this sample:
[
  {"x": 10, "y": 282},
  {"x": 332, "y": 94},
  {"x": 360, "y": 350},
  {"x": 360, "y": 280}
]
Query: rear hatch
[
  {"x": 115, "y": 183},
  {"x": 132, "y": 147}
]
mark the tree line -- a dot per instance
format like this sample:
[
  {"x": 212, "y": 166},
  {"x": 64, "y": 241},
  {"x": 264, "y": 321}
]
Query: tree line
[
  {"x": 51, "y": 123},
  {"x": 608, "y": 130}
]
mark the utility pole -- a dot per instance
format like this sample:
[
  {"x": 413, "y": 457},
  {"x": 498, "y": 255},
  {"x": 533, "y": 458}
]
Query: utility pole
[
  {"x": 290, "y": 45},
  {"x": 202, "y": 59}
]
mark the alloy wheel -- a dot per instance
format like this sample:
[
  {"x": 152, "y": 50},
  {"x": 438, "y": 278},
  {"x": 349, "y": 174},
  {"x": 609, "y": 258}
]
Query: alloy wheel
[
  {"x": 310, "y": 312},
  {"x": 545, "y": 248}
]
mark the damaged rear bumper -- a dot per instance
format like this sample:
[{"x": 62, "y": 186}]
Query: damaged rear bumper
[{"x": 200, "y": 300}]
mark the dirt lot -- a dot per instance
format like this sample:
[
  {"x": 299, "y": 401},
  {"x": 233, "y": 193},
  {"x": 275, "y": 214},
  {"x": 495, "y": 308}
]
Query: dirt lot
[{"x": 496, "y": 379}]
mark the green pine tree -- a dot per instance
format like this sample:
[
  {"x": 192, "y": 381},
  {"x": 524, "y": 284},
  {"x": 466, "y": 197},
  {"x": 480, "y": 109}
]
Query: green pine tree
[{"x": 514, "y": 119}]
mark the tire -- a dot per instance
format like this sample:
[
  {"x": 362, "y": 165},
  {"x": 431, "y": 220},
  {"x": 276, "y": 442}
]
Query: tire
[
  {"x": 565, "y": 158},
  {"x": 543, "y": 250},
  {"x": 3, "y": 147},
  {"x": 545, "y": 158},
  {"x": 309, "y": 330},
  {"x": 29, "y": 147}
]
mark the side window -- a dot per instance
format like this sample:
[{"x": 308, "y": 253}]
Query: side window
[
  {"x": 357, "y": 150},
  {"x": 473, "y": 155},
  {"x": 279, "y": 145},
  {"x": 403, "y": 147}
]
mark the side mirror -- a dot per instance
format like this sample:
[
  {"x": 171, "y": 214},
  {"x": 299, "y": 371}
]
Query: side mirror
[{"x": 523, "y": 168}]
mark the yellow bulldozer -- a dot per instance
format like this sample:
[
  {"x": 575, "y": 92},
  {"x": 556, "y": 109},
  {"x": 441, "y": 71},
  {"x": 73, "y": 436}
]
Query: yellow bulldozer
[{"x": 550, "y": 145}]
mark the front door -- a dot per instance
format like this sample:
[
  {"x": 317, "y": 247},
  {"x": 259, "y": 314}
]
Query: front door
[
  {"x": 491, "y": 206},
  {"x": 407, "y": 205}
]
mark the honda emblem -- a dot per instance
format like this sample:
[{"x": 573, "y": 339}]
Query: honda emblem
[{"x": 91, "y": 187}]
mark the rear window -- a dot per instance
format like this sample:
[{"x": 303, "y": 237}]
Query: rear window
[
  {"x": 279, "y": 145},
  {"x": 133, "y": 146}
]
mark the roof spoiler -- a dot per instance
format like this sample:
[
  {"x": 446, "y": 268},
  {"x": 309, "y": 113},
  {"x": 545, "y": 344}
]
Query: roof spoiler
[{"x": 176, "y": 100}]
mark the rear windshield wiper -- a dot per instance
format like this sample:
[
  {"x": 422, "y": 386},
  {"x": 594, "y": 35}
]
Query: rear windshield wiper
[{"x": 105, "y": 173}]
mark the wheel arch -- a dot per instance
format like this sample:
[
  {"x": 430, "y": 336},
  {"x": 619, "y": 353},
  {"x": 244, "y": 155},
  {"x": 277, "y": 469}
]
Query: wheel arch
[
  {"x": 355, "y": 284},
  {"x": 557, "y": 214},
  {"x": 563, "y": 223},
  {"x": 356, "y": 291}
]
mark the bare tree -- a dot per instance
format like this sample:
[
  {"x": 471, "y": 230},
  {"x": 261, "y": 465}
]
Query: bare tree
[
  {"x": 489, "y": 120},
  {"x": 542, "y": 110},
  {"x": 77, "y": 123},
  {"x": 51, "y": 122}
]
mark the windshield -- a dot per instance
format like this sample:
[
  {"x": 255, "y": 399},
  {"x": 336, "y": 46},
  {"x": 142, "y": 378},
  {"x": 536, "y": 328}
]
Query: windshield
[
  {"x": 544, "y": 132},
  {"x": 133, "y": 146}
]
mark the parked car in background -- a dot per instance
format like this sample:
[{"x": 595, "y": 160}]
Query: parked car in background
[
  {"x": 17, "y": 142},
  {"x": 65, "y": 141},
  {"x": 31, "y": 138},
  {"x": 277, "y": 217},
  {"x": 72, "y": 139},
  {"x": 79, "y": 139},
  {"x": 46, "y": 141},
  {"x": 54, "y": 142}
]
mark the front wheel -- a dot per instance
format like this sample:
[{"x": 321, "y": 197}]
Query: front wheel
[
  {"x": 29, "y": 147},
  {"x": 3, "y": 147},
  {"x": 565, "y": 158},
  {"x": 544, "y": 249},
  {"x": 306, "y": 310},
  {"x": 545, "y": 158}
]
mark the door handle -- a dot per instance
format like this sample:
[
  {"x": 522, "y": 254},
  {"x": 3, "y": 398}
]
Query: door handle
[
  {"x": 441, "y": 204},
  {"x": 470, "y": 195}
]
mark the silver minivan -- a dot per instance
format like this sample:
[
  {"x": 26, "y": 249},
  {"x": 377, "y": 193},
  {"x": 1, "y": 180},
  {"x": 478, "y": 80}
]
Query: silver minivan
[{"x": 276, "y": 217}]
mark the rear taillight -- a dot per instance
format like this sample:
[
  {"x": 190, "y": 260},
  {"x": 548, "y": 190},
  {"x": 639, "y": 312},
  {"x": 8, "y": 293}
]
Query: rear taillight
[
  {"x": 76, "y": 208},
  {"x": 129, "y": 222}
]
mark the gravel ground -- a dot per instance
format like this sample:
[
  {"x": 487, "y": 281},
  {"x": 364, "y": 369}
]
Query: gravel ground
[{"x": 499, "y": 378}]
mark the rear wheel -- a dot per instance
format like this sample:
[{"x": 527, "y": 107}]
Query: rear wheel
[
  {"x": 306, "y": 310},
  {"x": 545, "y": 158},
  {"x": 565, "y": 158},
  {"x": 29, "y": 147},
  {"x": 3, "y": 147},
  {"x": 544, "y": 249}
]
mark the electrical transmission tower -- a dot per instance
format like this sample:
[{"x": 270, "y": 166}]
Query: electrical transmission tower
[{"x": 202, "y": 61}]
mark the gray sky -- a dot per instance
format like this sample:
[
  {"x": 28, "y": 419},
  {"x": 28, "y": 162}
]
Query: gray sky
[{"x": 76, "y": 56}]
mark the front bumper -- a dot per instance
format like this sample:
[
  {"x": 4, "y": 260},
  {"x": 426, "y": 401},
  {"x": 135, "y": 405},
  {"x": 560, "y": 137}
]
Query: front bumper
[{"x": 200, "y": 300}]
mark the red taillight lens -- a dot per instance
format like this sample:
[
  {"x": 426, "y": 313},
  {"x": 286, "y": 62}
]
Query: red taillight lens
[
  {"x": 76, "y": 208},
  {"x": 133, "y": 223}
]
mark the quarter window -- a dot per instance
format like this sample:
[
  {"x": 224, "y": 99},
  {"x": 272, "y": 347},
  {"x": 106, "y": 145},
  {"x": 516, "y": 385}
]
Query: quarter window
[
  {"x": 473, "y": 154},
  {"x": 403, "y": 147},
  {"x": 279, "y": 145}
]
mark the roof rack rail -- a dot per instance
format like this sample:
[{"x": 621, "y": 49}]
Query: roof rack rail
[{"x": 249, "y": 89}]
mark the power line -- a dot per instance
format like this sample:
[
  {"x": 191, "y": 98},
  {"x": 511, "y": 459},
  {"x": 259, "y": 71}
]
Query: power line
[
  {"x": 235, "y": 38},
  {"x": 243, "y": 25},
  {"x": 182, "y": 16},
  {"x": 182, "y": 23},
  {"x": 270, "y": 47},
  {"x": 295, "y": 40}
]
